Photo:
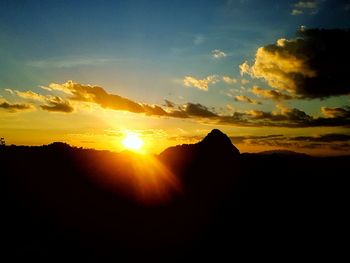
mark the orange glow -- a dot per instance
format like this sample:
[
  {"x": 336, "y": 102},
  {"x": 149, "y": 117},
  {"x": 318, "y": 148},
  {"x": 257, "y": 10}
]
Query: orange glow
[{"x": 138, "y": 176}]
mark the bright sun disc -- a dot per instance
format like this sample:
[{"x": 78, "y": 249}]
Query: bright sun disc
[{"x": 132, "y": 141}]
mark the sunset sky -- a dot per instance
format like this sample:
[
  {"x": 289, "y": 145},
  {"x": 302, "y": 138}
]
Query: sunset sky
[{"x": 270, "y": 74}]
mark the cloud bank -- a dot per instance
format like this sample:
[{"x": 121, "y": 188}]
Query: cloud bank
[{"x": 281, "y": 117}]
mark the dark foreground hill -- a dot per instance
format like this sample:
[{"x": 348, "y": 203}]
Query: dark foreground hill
[{"x": 192, "y": 202}]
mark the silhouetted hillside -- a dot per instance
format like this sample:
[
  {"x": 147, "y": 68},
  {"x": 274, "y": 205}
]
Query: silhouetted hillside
[{"x": 192, "y": 202}]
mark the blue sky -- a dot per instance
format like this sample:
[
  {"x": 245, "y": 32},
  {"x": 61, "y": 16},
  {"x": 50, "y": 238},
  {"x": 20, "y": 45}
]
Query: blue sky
[{"x": 160, "y": 38}]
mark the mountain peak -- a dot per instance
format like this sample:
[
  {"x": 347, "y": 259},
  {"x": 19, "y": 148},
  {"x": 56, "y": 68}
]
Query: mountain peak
[{"x": 219, "y": 142}]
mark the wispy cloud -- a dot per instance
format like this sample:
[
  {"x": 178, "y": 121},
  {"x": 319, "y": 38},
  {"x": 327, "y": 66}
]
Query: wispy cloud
[
  {"x": 243, "y": 98},
  {"x": 301, "y": 7},
  {"x": 68, "y": 62},
  {"x": 198, "y": 39},
  {"x": 296, "y": 12},
  {"x": 229, "y": 80}
]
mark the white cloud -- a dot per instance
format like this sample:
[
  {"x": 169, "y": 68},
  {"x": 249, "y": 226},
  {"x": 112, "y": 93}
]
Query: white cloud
[{"x": 217, "y": 53}]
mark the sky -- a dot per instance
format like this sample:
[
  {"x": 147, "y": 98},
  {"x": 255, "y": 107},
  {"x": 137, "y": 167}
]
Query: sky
[{"x": 270, "y": 74}]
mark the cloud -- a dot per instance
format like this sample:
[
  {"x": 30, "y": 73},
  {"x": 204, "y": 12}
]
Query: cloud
[
  {"x": 283, "y": 117},
  {"x": 98, "y": 95},
  {"x": 244, "y": 81},
  {"x": 198, "y": 110},
  {"x": 305, "y": 6},
  {"x": 242, "y": 139},
  {"x": 217, "y": 53},
  {"x": 242, "y": 98},
  {"x": 331, "y": 141},
  {"x": 271, "y": 94},
  {"x": 330, "y": 137},
  {"x": 336, "y": 112},
  {"x": 52, "y": 103},
  {"x": 30, "y": 95},
  {"x": 314, "y": 65},
  {"x": 9, "y": 91},
  {"x": 296, "y": 12},
  {"x": 154, "y": 110},
  {"x": 201, "y": 84},
  {"x": 14, "y": 107},
  {"x": 229, "y": 80},
  {"x": 169, "y": 103},
  {"x": 56, "y": 104}
]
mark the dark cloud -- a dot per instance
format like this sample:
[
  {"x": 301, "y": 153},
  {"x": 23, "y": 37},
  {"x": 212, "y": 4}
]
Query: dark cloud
[
  {"x": 331, "y": 137},
  {"x": 314, "y": 65},
  {"x": 292, "y": 118},
  {"x": 333, "y": 141},
  {"x": 242, "y": 139},
  {"x": 169, "y": 104},
  {"x": 198, "y": 110},
  {"x": 13, "y": 107},
  {"x": 56, "y": 104},
  {"x": 154, "y": 110}
]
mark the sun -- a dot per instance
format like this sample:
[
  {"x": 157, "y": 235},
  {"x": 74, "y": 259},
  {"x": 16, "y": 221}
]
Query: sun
[{"x": 132, "y": 141}]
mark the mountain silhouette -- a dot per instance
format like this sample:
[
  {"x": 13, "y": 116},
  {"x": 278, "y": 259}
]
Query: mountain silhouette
[
  {"x": 218, "y": 143},
  {"x": 216, "y": 147},
  {"x": 191, "y": 202}
]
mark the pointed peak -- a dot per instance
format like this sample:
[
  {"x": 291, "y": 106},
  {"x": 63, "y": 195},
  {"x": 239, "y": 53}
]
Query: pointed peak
[
  {"x": 216, "y": 132},
  {"x": 219, "y": 141}
]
